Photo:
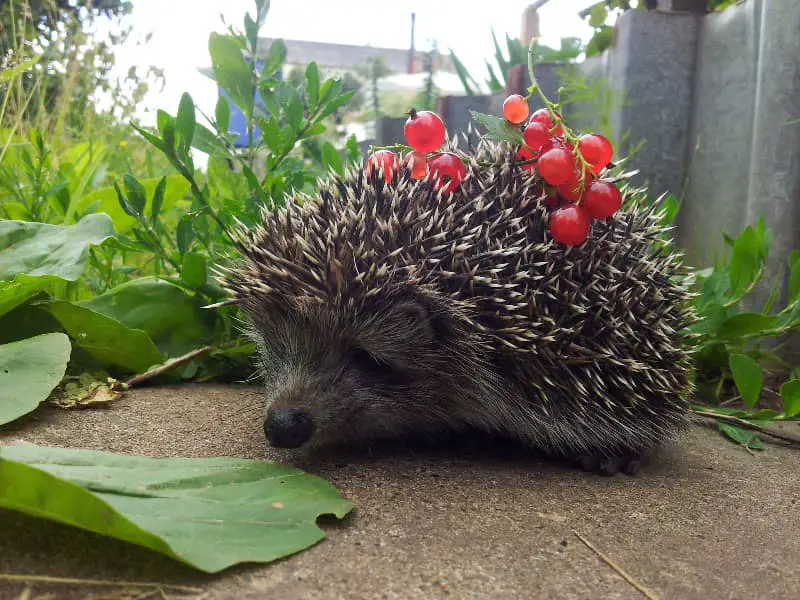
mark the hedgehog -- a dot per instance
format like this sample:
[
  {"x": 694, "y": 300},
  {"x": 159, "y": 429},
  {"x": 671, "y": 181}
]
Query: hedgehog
[{"x": 385, "y": 307}]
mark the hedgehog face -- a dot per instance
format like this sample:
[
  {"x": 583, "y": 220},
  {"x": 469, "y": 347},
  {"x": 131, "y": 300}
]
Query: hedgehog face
[{"x": 333, "y": 375}]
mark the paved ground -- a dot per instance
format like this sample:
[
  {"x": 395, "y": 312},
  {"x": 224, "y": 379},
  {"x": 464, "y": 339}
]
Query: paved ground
[{"x": 706, "y": 520}]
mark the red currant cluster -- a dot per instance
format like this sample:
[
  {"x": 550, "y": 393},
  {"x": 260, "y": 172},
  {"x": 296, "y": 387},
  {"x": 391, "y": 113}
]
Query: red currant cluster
[
  {"x": 424, "y": 132},
  {"x": 569, "y": 174}
]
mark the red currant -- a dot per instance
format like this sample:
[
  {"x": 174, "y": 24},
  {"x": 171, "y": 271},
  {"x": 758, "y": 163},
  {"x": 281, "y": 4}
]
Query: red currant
[
  {"x": 383, "y": 160},
  {"x": 556, "y": 165},
  {"x": 447, "y": 170},
  {"x": 417, "y": 163},
  {"x": 424, "y": 130},
  {"x": 571, "y": 190},
  {"x": 536, "y": 135},
  {"x": 524, "y": 153},
  {"x": 570, "y": 225},
  {"x": 515, "y": 109},
  {"x": 596, "y": 149},
  {"x": 543, "y": 116},
  {"x": 601, "y": 199}
]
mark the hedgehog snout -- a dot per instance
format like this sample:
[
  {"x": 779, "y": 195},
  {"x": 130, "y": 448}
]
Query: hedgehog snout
[{"x": 288, "y": 427}]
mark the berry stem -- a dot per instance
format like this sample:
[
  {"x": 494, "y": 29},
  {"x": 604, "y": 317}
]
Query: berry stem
[{"x": 568, "y": 134}]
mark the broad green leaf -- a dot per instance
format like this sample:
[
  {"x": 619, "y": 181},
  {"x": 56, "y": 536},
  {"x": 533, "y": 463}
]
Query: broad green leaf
[
  {"x": 294, "y": 110},
  {"x": 272, "y": 134},
  {"x": 208, "y": 513},
  {"x": 206, "y": 141},
  {"x": 231, "y": 71},
  {"x": 13, "y": 294},
  {"x": 185, "y": 119},
  {"x": 747, "y": 376},
  {"x": 184, "y": 235},
  {"x": 331, "y": 158},
  {"x": 104, "y": 200},
  {"x": 29, "y": 370},
  {"x": 39, "y": 249},
  {"x": 744, "y": 261},
  {"x": 107, "y": 340},
  {"x": 497, "y": 128},
  {"x": 790, "y": 394},
  {"x": 193, "y": 270},
  {"x": 312, "y": 84},
  {"x": 335, "y": 103},
  {"x": 124, "y": 204},
  {"x": 745, "y": 324},
  {"x": 173, "y": 319},
  {"x": 223, "y": 114},
  {"x": 251, "y": 30},
  {"x": 275, "y": 58},
  {"x": 262, "y": 8},
  {"x": 742, "y": 436}
]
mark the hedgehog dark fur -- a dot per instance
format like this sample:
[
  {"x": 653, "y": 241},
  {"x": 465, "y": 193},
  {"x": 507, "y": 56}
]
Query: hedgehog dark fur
[{"x": 383, "y": 310}]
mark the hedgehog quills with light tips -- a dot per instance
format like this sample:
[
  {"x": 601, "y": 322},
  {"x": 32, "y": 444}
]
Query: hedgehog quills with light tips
[{"x": 390, "y": 309}]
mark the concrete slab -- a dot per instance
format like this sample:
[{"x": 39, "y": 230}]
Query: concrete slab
[{"x": 703, "y": 520}]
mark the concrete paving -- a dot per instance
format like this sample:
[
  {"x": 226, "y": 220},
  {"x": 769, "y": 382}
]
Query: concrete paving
[{"x": 704, "y": 519}]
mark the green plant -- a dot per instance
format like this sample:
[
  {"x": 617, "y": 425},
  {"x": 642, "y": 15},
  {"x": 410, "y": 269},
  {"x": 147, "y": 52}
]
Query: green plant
[{"x": 570, "y": 49}]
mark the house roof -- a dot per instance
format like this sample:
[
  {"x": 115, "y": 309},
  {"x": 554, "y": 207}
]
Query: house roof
[{"x": 348, "y": 56}]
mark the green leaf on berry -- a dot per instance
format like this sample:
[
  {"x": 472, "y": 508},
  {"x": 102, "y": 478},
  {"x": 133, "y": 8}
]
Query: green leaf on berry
[{"x": 498, "y": 129}]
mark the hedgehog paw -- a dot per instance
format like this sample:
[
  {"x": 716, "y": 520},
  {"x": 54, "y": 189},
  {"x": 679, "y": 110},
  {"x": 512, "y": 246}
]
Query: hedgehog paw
[{"x": 628, "y": 463}]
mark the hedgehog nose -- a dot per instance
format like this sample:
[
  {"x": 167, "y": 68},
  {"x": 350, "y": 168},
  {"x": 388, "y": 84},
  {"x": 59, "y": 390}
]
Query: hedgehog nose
[{"x": 287, "y": 427}]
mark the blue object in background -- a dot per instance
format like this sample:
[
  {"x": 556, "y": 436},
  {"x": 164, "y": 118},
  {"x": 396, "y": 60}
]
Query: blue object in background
[{"x": 238, "y": 123}]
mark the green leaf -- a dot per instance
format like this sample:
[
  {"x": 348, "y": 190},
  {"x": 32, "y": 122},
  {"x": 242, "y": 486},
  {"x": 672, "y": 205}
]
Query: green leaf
[
  {"x": 353, "y": 150},
  {"x": 104, "y": 200},
  {"x": 136, "y": 194},
  {"x": 294, "y": 110},
  {"x": 275, "y": 58},
  {"x": 335, "y": 103},
  {"x": 107, "y": 340},
  {"x": 312, "y": 85},
  {"x": 331, "y": 158},
  {"x": 742, "y": 436},
  {"x": 13, "y": 294},
  {"x": 123, "y": 202},
  {"x": 469, "y": 83},
  {"x": 498, "y": 128},
  {"x": 39, "y": 249},
  {"x": 158, "y": 199},
  {"x": 598, "y": 15},
  {"x": 193, "y": 270},
  {"x": 744, "y": 261},
  {"x": 251, "y": 30},
  {"x": 209, "y": 513},
  {"x": 747, "y": 376},
  {"x": 231, "y": 71},
  {"x": 745, "y": 324},
  {"x": 8, "y": 74},
  {"x": 790, "y": 394},
  {"x": 184, "y": 236},
  {"x": 186, "y": 118},
  {"x": 223, "y": 114},
  {"x": 794, "y": 277},
  {"x": 262, "y": 8},
  {"x": 206, "y": 141},
  {"x": 173, "y": 319},
  {"x": 29, "y": 370}
]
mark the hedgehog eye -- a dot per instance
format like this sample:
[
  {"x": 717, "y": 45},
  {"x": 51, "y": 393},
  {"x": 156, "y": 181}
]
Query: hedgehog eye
[{"x": 366, "y": 362}]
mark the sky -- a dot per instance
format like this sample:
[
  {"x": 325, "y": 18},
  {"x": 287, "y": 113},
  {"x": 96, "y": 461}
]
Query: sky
[{"x": 180, "y": 30}]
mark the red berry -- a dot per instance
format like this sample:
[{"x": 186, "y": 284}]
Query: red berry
[
  {"x": 524, "y": 153},
  {"x": 447, "y": 170},
  {"x": 556, "y": 166},
  {"x": 596, "y": 149},
  {"x": 515, "y": 109},
  {"x": 601, "y": 199},
  {"x": 424, "y": 130},
  {"x": 558, "y": 142},
  {"x": 383, "y": 160},
  {"x": 543, "y": 116},
  {"x": 417, "y": 163},
  {"x": 536, "y": 135},
  {"x": 570, "y": 225},
  {"x": 571, "y": 190}
]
